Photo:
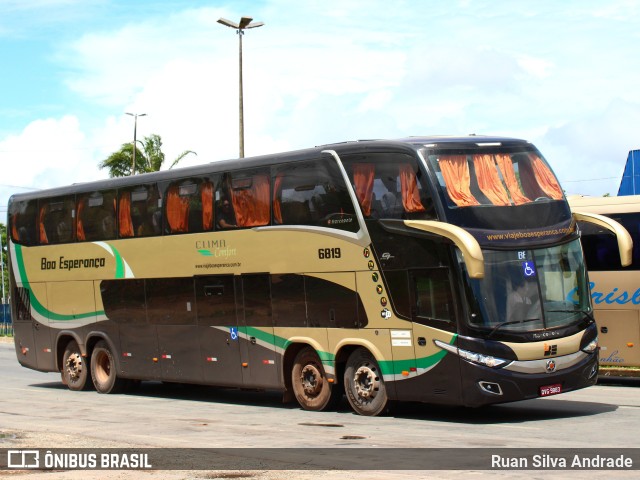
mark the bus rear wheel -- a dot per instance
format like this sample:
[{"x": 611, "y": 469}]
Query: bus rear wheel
[
  {"x": 310, "y": 384},
  {"x": 75, "y": 368},
  {"x": 103, "y": 370},
  {"x": 364, "y": 384}
]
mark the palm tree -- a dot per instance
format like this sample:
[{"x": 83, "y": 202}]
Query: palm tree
[{"x": 150, "y": 159}]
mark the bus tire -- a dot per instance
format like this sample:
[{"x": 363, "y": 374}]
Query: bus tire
[
  {"x": 310, "y": 384},
  {"x": 75, "y": 368},
  {"x": 104, "y": 371},
  {"x": 364, "y": 384}
]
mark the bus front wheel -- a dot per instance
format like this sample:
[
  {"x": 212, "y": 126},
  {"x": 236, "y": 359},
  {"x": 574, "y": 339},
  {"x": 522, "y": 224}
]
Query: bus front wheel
[
  {"x": 310, "y": 384},
  {"x": 75, "y": 368},
  {"x": 103, "y": 370},
  {"x": 364, "y": 384}
]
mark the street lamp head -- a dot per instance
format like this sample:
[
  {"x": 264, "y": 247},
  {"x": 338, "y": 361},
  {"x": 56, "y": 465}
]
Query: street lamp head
[
  {"x": 245, "y": 22},
  {"x": 228, "y": 23}
]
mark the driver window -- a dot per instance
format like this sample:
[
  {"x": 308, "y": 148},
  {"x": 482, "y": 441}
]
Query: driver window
[{"x": 433, "y": 297}]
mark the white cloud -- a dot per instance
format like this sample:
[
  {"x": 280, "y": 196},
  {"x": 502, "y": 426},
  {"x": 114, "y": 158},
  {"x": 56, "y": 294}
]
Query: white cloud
[{"x": 47, "y": 153}]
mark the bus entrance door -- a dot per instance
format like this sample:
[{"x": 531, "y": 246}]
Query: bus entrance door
[
  {"x": 218, "y": 330},
  {"x": 255, "y": 321}
]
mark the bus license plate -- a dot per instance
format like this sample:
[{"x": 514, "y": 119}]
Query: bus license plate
[{"x": 550, "y": 390}]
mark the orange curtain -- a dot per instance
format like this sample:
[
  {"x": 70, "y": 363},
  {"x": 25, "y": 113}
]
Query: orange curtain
[
  {"x": 409, "y": 188},
  {"x": 545, "y": 178},
  {"x": 363, "y": 174},
  {"x": 80, "y": 228},
  {"x": 457, "y": 179},
  {"x": 124, "y": 216},
  {"x": 14, "y": 230},
  {"x": 277, "y": 193},
  {"x": 509, "y": 174},
  {"x": 43, "y": 233},
  {"x": 177, "y": 211},
  {"x": 206, "y": 193},
  {"x": 488, "y": 179},
  {"x": 251, "y": 205}
]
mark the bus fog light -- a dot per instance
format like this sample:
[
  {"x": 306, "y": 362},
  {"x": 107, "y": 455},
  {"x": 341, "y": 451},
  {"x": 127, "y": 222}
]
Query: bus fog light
[{"x": 491, "y": 387}]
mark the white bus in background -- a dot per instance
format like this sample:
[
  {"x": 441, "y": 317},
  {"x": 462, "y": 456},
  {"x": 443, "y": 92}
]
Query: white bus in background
[{"x": 615, "y": 290}]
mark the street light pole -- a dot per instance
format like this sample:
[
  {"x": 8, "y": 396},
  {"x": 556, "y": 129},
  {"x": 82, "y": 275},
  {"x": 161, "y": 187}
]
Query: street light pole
[
  {"x": 245, "y": 23},
  {"x": 135, "y": 127}
]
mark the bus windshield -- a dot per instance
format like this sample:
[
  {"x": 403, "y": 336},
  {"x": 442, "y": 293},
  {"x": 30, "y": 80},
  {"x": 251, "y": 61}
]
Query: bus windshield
[
  {"x": 528, "y": 290},
  {"x": 493, "y": 176}
]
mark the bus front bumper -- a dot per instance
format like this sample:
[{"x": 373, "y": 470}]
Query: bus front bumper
[{"x": 523, "y": 380}]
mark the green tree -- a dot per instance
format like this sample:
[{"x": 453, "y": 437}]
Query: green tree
[{"x": 148, "y": 159}]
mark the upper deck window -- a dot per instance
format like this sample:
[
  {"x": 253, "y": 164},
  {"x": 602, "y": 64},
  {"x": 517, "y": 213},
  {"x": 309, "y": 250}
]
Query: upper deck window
[
  {"x": 96, "y": 216},
  {"x": 312, "y": 193},
  {"x": 250, "y": 193},
  {"x": 494, "y": 178},
  {"x": 56, "y": 220},
  {"x": 189, "y": 206},
  {"x": 389, "y": 185},
  {"x": 139, "y": 212},
  {"x": 22, "y": 222}
]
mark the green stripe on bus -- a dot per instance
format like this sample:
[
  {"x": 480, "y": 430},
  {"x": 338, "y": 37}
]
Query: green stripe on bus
[
  {"x": 391, "y": 367},
  {"x": 35, "y": 303},
  {"x": 281, "y": 342}
]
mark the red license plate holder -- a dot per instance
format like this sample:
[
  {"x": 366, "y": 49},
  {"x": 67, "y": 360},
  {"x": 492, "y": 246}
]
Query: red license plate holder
[{"x": 548, "y": 390}]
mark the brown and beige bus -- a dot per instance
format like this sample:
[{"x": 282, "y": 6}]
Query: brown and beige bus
[
  {"x": 615, "y": 289},
  {"x": 443, "y": 270}
]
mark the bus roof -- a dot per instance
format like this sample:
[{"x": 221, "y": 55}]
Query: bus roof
[{"x": 408, "y": 144}]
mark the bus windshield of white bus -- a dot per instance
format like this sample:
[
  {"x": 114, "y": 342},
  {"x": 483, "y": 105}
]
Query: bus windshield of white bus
[{"x": 529, "y": 290}]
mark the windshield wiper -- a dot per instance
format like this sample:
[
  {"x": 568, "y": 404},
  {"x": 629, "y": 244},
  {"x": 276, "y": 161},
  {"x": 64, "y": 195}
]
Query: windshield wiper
[{"x": 512, "y": 322}]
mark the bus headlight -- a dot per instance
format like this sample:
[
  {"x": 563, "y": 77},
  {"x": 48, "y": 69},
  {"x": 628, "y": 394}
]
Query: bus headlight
[
  {"x": 480, "y": 359},
  {"x": 591, "y": 346}
]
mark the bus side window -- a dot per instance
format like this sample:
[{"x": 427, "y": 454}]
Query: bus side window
[
  {"x": 293, "y": 186},
  {"x": 250, "y": 197},
  {"x": 138, "y": 212},
  {"x": 312, "y": 193},
  {"x": 96, "y": 216},
  {"x": 56, "y": 220},
  {"x": 389, "y": 186},
  {"x": 22, "y": 222},
  {"x": 331, "y": 199},
  {"x": 189, "y": 206},
  {"x": 177, "y": 206}
]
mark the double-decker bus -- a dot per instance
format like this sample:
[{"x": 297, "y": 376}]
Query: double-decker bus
[
  {"x": 615, "y": 288},
  {"x": 445, "y": 270}
]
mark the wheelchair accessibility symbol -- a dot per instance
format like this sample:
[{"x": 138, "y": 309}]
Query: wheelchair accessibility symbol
[
  {"x": 528, "y": 269},
  {"x": 233, "y": 331}
]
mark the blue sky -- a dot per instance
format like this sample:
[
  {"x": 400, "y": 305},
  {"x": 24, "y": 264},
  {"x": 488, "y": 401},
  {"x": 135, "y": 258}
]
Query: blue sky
[{"x": 564, "y": 75}]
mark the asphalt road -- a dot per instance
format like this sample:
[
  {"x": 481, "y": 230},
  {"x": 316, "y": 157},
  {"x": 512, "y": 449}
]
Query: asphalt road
[{"x": 37, "y": 411}]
